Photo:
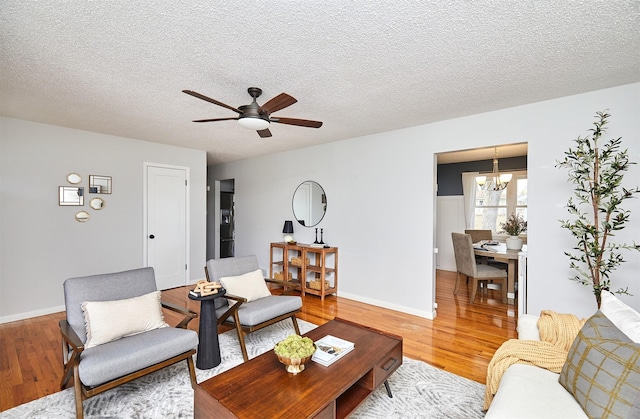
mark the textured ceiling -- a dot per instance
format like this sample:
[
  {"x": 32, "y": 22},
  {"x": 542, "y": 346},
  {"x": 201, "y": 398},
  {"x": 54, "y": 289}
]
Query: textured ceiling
[{"x": 361, "y": 67}]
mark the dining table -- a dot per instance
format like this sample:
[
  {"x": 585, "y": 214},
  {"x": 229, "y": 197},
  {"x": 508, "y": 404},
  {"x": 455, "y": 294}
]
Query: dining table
[{"x": 499, "y": 252}]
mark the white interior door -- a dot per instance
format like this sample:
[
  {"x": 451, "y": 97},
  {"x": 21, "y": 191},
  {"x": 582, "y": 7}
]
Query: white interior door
[{"x": 166, "y": 225}]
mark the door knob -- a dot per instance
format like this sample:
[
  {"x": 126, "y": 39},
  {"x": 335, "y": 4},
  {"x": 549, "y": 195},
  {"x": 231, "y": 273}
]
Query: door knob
[{"x": 152, "y": 236}]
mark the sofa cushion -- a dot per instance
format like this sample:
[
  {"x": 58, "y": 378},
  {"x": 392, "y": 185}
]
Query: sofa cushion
[
  {"x": 528, "y": 327},
  {"x": 251, "y": 285},
  {"x": 104, "y": 287},
  {"x": 106, "y": 321},
  {"x": 115, "y": 359},
  {"x": 527, "y": 391},
  {"x": 624, "y": 317},
  {"x": 266, "y": 308},
  {"x": 602, "y": 370}
]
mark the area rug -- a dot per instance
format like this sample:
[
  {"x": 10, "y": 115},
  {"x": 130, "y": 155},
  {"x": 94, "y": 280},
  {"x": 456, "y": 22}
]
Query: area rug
[{"x": 419, "y": 390}]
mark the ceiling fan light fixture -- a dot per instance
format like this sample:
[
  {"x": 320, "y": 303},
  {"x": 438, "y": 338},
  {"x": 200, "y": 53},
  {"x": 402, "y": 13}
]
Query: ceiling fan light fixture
[
  {"x": 256, "y": 117},
  {"x": 251, "y": 122}
]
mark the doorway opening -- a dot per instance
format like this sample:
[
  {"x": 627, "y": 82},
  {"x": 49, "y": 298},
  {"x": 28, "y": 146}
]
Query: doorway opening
[
  {"x": 221, "y": 220},
  {"x": 454, "y": 214}
]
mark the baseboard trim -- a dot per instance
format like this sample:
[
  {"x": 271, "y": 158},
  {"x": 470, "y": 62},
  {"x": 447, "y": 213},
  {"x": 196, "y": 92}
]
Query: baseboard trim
[
  {"x": 31, "y": 314},
  {"x": 384, "y": 304},
  {"x": 45, "y": 311}
]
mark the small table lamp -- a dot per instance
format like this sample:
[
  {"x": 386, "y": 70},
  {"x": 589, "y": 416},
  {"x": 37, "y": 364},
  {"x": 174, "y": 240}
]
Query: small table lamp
[{"x": 288, "y": 230}]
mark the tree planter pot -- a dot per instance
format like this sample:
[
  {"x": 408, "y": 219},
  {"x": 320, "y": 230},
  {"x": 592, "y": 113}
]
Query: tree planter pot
[{"x": 514, "y": 243}]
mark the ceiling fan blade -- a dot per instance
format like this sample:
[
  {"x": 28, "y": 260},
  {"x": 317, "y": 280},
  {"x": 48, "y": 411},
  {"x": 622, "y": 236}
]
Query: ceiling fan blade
[
  {"x": 298, "y": 122},
  {"x": 279, "y": 102},
  {"x": 208, "y": 99},
  {"x": 215, "y": 119},
  {"x": 264, "y": 133}
]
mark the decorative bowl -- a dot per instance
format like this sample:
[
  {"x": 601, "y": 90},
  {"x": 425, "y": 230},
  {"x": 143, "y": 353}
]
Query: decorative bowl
[
  {"x": 295, "y": 345},
  {"x": 294, "y": 365}
]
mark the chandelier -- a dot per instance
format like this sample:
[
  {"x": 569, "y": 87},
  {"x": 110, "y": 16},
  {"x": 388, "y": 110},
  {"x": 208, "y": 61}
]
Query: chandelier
[{"x": 496, "y": 181}]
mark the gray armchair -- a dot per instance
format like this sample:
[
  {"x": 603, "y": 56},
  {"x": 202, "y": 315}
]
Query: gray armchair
[
  {"x": 100, "y": 368},
  {"x": 466, "y": 265},
  {"x": 249, "y": 316}
]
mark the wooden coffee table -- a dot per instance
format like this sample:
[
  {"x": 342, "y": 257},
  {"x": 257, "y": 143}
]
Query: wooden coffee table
[{"x": 263, "y": 388}]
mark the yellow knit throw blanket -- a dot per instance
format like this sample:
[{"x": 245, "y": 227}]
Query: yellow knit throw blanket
[{"x": 557, "y": 333}]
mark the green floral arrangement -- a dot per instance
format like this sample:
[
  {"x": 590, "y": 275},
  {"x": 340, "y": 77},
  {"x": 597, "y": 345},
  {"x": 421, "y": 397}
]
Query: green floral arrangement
[
  {"x": 295, "y": 346},
  {"x": 514, "y": 225}
]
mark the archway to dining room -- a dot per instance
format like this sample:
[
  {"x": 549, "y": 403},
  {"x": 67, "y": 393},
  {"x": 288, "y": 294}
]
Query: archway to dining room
[{"x": 464, "y": 202}]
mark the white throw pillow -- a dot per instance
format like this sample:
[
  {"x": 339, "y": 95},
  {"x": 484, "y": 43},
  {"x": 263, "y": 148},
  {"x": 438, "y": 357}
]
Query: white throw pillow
[
  {"x": 624, "y": 317},
  {"x": 250, "y": 285},
  {"x": 106, "y": 321}
]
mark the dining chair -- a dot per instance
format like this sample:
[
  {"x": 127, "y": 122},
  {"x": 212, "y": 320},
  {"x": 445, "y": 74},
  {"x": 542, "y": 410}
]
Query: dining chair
[
  {"x": 479, "y": 235},
  {"x": 466, "y": 265}
]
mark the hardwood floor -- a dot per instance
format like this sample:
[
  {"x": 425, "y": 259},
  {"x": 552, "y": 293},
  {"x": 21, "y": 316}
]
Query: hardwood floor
[{"x": 462, "y": 338}]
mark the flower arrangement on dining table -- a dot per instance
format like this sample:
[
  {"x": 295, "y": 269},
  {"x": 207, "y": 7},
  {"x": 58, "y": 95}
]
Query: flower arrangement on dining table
[{"x": 514, "y": 225}]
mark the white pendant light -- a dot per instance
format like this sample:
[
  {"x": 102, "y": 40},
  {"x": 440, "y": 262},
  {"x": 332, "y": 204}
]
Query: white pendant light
[{"x": 251, "y": 122}]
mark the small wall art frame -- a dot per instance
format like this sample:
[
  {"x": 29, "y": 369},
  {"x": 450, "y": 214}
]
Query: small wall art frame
[
  {"x": 96, "y": 203},
  {"x": 74, "y": 178},
  {"x": 99, "y": 184},
  {"x": 82, "y": 216},
  {"x": 71, "y": 196}
]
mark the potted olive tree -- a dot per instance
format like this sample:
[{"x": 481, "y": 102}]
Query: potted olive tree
[{"x": 596, "y": 207}]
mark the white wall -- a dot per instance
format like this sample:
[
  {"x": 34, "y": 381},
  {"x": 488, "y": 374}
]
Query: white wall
[
  {"x": 449, "y": 218},
  {"x": 381, "y": 199},
  {"x": 41, "y": 244}
]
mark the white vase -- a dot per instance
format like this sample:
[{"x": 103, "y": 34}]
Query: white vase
[{"x": 514, "y": 243}]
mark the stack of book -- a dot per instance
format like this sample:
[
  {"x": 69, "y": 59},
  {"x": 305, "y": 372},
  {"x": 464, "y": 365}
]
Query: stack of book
[{"x": 330, "y": 349}]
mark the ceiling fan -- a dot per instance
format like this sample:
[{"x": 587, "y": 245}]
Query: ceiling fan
[{"x": 254, "y": 116}]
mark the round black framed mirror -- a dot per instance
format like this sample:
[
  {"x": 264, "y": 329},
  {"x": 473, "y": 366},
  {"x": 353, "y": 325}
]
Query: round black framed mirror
[{"x": 309, "y": 203}]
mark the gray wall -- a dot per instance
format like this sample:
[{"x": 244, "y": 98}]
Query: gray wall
[
  {"x": 450, "y": 175},
  {"x": 381, "y": 203},
  {"x": 41, "y": 244},
  {"x": 381, "y": 200}
]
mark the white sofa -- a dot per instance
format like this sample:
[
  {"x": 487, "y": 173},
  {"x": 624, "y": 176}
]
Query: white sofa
[{"x": 527, "y": 391}]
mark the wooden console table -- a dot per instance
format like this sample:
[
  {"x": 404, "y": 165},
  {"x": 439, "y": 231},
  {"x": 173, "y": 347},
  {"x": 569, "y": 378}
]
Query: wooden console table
[
  {"x": 317, "y": 276},
  {"x": 261, "y": 387}
]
